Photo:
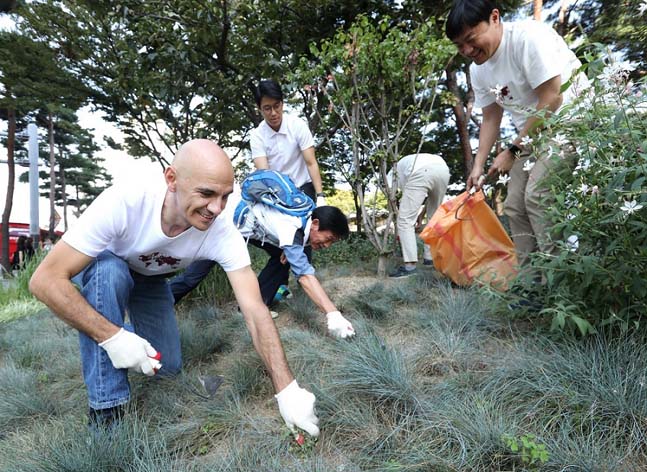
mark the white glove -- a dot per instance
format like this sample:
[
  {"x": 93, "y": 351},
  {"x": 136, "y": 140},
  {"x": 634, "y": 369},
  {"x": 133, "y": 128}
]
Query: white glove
[
  {"x": 321, "y": 201},
  {"x": 297, "y": 407},
  {"x": 126, "y": 350},
  {"x": 339, "y": 326}
]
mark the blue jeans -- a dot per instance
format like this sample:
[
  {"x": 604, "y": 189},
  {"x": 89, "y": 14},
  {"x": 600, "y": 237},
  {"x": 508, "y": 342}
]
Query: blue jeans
[{"x": 113, "y": 290}]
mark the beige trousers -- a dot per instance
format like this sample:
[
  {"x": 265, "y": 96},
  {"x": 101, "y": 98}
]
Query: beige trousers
[
  {"x": 428, "y": 182},
  {"x": 526, "y": 206}
]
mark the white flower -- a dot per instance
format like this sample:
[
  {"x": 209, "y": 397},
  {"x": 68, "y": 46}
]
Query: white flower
[
  {"x": 570, "y": 216},
  {"x": 528, "y": 165},
  {"x": 630, "y": 207},
  {"x": 457, "y": 187},
  {"x": 487, "y": 190},
  {"x": 142, "y": 50},
  {"x": 573, "y": 242},
  {"x": 642, "y": 8},
  {"x": 583, "y": 164},
  {"x": 560, "y": 139},
  {"x": 584, "y": 189},
  {"x": 595, "y": 190},
  {"x": 527, "y": 140},
  {"x": 617, "y": 72},
  {"x": 503, "y": 180}
]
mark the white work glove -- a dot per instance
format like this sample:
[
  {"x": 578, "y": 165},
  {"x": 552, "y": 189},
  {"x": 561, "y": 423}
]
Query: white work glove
[
  {"x": 297, "y": 407},
  {"x": 339, "y": 326},
  {"x": 321, "y": 201},
  {"x": 126, "y": 350}
]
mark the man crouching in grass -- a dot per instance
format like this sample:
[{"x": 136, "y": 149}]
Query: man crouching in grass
[{"x": 121, "y": 251}]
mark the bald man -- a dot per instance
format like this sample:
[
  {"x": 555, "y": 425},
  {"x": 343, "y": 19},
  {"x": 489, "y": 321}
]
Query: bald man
[{"x": 120, "y": 252}]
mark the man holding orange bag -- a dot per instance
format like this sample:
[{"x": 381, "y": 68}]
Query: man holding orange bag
[{"x": 519, "y": 67}]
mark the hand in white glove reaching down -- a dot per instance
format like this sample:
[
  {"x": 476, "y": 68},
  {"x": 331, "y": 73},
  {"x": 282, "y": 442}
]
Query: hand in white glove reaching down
[
  {"x": 339, "y": 326},
  {"x": 126, "y": 350},
  {"x": 321, "y": 201},
  {"x": 297, "y": 407}
]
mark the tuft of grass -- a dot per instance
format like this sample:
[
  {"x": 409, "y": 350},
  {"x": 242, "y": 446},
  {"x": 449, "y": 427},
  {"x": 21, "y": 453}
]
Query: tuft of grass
[
  {"x": 20, "y": 396},
  {"x": 373, "y": 302},
  {"x": 133, "y": 446},
  {"x": 305, "y": 312},
  {"x": 15, "y": 308},
  {"x": 376, "y": 371}
]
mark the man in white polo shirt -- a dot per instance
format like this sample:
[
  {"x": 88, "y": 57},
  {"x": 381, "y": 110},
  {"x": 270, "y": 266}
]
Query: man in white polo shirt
[
  {"x": 281, "y": 142},
  {"x": 284, "y": 142}
]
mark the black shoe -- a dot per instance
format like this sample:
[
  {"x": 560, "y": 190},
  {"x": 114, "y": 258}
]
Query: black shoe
[
  {"x": 526, "y": 304},
  {"x": 403, "y": 272},
  {"x": 106, "y": 419},
  {"x": 427, "y": 262}
]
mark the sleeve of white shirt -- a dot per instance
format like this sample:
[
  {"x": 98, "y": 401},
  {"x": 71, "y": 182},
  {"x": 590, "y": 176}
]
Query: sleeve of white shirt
[
  {"x": 256, "y": 144},
  {"x": 303, "y": 135},
  {"x": 102, "y": 222},
  {"x": 539, "y": 54}
]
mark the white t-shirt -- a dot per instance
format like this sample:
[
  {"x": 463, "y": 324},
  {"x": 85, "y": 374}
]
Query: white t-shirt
[
  {"x": 126, "y": 219},
  {"x": 284, "y": 148},
  {"x": 530, "y": 53},
  {"x": 411, "y": 162}
]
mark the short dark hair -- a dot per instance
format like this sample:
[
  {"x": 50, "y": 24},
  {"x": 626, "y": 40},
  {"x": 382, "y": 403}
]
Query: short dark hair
[
  {"x": 332, "y": 219},
  {"x": 268, "y": 88},
  {"x": 467, "y": 14}
]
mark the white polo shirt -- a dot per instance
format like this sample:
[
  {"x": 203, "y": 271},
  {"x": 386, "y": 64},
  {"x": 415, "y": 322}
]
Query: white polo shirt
[
  {"x": 284, "y": 148},
  {"x": 530, "y": 53}
]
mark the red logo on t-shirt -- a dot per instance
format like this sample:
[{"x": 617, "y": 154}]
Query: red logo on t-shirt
[{"x": 160, "y": 259}]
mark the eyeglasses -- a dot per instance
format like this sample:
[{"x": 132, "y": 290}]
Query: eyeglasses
[{"x": 268, "y": 108}]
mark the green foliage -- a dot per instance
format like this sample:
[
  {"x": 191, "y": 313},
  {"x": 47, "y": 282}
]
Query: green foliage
[
  {"x": 531, "y": 452},
  {"x": 375, "y": 84},
  {"x": 351, "y": 251},
  {"x": 599, "y": 276},
  {"x": 15, "y": 298},
  {"x": 342, "y": 199}
]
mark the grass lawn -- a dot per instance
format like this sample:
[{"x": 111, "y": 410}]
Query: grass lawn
[{"x": 436, "y": 380}]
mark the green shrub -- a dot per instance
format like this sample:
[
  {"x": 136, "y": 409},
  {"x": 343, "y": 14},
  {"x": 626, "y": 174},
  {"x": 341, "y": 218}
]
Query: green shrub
[
  {"x": 599, "y": 276},
  {"x": 356, "y": 248}
]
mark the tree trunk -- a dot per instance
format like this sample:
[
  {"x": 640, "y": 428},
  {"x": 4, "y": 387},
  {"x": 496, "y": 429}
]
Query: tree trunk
[
  {"x": 382, "y": 262},
  {"x": 562, "y": 24},
  {"x": 537, "y": 5},
  {"x": 462, "y": 120},
  {"x": 52, "y": 178},
  {"x": 64, "y": 193},
  {"x": 6, "y": 214}
]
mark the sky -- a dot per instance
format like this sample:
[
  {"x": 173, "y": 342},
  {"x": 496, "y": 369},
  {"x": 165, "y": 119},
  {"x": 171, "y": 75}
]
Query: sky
[{"x": 118, "y": 164}]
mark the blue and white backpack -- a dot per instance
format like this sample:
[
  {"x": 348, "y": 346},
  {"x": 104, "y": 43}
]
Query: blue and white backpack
[{"x": 274, "y": 189}]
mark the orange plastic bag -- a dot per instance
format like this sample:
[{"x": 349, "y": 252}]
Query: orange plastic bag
[{"x": 468, "y": 242}]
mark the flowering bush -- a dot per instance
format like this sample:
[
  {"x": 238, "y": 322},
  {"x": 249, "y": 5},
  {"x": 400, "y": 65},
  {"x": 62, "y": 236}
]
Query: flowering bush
[{"x": 599, "y": 277}]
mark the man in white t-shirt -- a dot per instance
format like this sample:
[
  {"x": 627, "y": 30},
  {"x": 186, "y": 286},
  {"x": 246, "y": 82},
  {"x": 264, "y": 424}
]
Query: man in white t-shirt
[
  {"x": 120, "y": 252},
  {"x": 519, "y": 67},
  {"x": 422, "y": 178}
]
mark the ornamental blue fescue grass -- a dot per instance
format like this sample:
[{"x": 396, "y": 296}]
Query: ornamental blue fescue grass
[{"x": 599, "y": 276}]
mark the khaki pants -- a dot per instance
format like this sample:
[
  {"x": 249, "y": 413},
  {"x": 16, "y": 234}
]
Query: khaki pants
[
  {"x": 526, "y": 206},
  {"x": 428, "y": 182}
]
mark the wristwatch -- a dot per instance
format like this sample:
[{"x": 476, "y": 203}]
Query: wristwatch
[
  {"x": 321, "y": 194},
  {"x": 515, "y": 150}
]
